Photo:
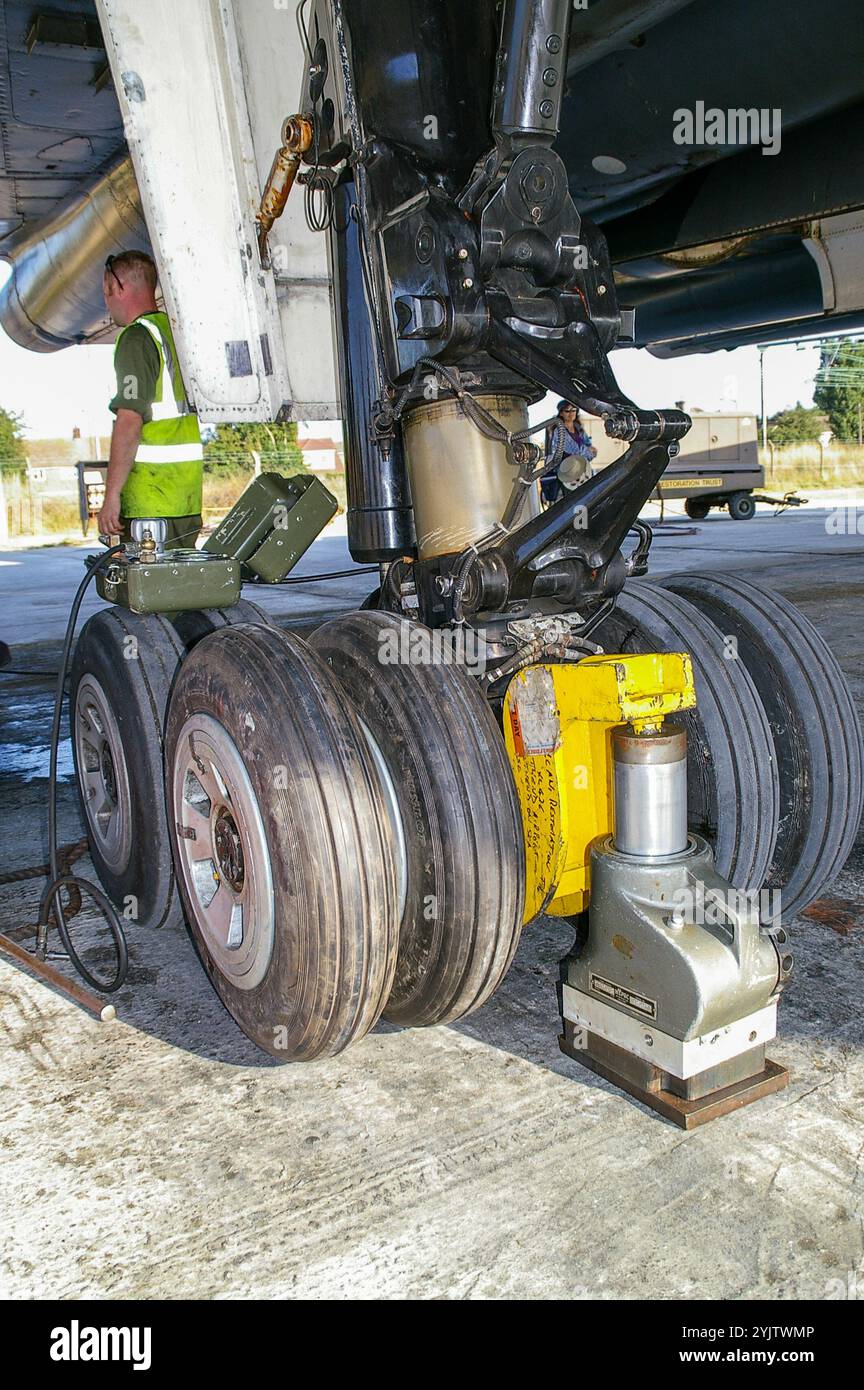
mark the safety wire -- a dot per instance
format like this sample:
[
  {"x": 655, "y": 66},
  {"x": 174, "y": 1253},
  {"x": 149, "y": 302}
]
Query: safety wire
[
  {"x": 572, "y": 646},
  {"x": 318, "y": 196},
  {"x": 484, "y": 420}
]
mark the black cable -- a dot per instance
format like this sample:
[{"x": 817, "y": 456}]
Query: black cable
[
  {"x": 35, "y": 675},
  {"x": 766, "y": 554},
  {"x": 51, "y": 896},
  {"x": 319, "y": 201},
  {"x": 310, "y": 578}
]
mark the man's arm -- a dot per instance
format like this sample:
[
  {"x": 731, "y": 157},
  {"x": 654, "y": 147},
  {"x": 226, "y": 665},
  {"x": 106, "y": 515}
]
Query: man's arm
[{"x": 124, "y": 445}]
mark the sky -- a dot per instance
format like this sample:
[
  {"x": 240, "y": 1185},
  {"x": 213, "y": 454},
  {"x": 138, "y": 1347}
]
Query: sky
[{"x": 60, "y": 390}]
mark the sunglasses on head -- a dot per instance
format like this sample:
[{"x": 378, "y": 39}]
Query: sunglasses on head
[{"x": 109, "y": 269}]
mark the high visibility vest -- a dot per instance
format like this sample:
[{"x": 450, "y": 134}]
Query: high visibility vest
[{"x": 166, "y": 477}]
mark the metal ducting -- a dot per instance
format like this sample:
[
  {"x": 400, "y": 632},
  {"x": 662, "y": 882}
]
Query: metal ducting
[{"x": 53, "y": 298}]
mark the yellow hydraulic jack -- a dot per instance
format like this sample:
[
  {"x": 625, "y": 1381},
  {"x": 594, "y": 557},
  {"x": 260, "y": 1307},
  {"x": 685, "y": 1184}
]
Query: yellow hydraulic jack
[{"x": 671, "y": 990}]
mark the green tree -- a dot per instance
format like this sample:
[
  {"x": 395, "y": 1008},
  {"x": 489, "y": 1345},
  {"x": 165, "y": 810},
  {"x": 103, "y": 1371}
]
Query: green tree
[
  {"x": 840, "y": 388},
  {"x": 13, "y": 455},
  {"x": 231, "y": 449},
  {"x": 796, "y": 426}
]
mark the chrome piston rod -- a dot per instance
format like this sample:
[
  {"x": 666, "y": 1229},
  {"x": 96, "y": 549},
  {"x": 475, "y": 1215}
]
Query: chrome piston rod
[{"x": 650, "y": 781}]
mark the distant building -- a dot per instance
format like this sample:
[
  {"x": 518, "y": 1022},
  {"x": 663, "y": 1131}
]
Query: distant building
[
  {"x": 322, "y": 455},
  {"x": 51, "y": 463}
]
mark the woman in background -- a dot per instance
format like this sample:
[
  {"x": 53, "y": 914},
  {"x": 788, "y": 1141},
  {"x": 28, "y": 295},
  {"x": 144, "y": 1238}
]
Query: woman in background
[{"x": 569, "y": 442}]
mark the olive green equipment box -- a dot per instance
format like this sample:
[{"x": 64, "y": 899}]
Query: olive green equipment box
[
  {"x": 263, "y": 536},
  {"x": 176, "y": 580},
  {"x": 273, "y": 524}
]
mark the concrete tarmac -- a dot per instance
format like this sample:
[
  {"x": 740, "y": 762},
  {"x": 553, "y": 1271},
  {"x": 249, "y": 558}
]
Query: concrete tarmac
[{"x": 161, "y": 1155}]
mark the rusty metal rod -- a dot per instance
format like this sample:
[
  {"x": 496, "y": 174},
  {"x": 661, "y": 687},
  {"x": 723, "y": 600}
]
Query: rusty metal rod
[
  {"x": 297, "y": 134},
  {"x": 104, "y": 1012}
]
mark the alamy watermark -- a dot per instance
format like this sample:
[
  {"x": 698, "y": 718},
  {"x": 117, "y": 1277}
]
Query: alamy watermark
[
  {"x": 77, "y": 1343},
  {"x": 700, "y": 906},
  {"x": 422, "y": 646},
  {"x": 734, "y": 126},
  {"x": 845, "y": 521}
]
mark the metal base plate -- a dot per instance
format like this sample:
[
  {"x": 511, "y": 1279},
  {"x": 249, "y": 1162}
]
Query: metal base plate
[{"x": 616, "y": 1065}]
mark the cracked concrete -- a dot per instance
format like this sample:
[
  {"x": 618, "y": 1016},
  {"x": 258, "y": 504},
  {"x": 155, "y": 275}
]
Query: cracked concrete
[{"x": 162, "y": 1156}]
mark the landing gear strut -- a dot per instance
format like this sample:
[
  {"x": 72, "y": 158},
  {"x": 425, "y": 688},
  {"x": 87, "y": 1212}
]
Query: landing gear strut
[{"x": 350, "y": 836}]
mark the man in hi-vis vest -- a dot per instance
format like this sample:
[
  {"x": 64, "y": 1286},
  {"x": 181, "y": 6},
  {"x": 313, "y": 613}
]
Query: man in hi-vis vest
[{"x": 156, "y": 462}]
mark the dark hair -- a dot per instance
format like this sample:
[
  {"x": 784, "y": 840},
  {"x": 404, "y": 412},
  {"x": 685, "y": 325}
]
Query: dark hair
[{"x": 567, "y": 405}]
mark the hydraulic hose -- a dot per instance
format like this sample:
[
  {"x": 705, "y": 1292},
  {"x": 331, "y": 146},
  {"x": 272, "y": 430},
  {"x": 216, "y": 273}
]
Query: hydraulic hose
[
  {"x": 310, "y": 578},
  {"x": 51, "y": 896}
]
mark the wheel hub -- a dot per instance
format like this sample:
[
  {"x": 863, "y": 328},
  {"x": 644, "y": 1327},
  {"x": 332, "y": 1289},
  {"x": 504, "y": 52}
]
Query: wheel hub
[
  {"x": 102, "y": 773},
  {"x": 229, "y": 849},
  {"x": 224, "y": 859},
  {"x": 109, "y": 776}
]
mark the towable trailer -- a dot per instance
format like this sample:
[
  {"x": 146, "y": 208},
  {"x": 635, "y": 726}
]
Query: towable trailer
[
  {"x": 718, "y": 466},
  {"x": 349, "y": 835}
]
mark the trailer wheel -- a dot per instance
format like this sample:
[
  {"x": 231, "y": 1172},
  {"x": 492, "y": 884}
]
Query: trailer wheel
[
  {"x": 697, "y": 507},
  {"x": 741, "y": 506},
  {"x": 732, "y": 784},
  {"x": 816, "y": 734},
  {"x": 122, "y": 670},
  {"x": 455, "y": 808},
  {"x": 282, "y": 842}
]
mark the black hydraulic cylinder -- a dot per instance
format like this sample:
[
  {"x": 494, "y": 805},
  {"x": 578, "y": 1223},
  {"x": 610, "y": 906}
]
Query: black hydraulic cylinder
[
  {"x": 380, "y": 517},
  {"x": 532, "y": 62}
]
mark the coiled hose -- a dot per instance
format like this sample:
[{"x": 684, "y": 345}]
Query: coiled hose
[{"x": 50, "y": 901}]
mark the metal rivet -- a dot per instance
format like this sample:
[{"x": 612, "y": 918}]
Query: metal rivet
[
  {"x": 462, "y": 253},
  {"x": 550, "y": 77},
  {"x": 468, "y": 283},
  {"x": 553, "y": 43},
  {"x": 546, "y": 109},
  {"x": 601, "y": 289}
]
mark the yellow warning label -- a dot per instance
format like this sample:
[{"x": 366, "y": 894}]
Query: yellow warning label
[{"x": 691, "y": 482}]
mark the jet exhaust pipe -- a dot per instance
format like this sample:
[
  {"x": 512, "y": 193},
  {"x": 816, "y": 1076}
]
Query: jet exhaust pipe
[{"x": 53, "y": 298}]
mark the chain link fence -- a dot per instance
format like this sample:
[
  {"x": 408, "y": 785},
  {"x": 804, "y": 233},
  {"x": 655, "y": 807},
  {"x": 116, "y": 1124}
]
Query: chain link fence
[{"x": 798, "y": 466}]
